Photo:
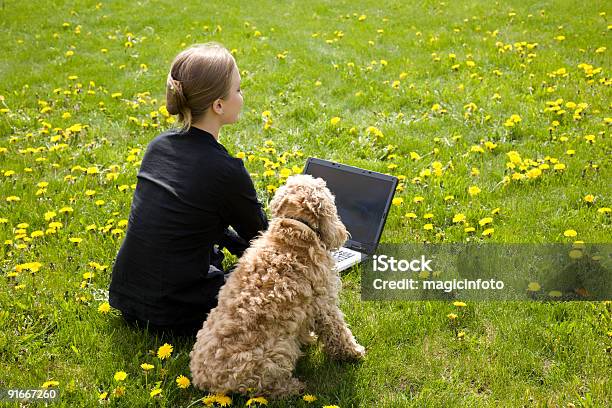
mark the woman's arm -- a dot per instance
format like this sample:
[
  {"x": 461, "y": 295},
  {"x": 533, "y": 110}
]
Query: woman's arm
[{"x": 240, "y": 207}]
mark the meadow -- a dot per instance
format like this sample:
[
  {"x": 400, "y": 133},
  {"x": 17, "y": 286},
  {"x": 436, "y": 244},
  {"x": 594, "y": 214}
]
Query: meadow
[{"x": 494, "y": 115}]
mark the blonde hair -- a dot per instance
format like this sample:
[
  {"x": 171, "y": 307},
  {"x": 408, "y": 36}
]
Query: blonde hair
[{"x": 198, "y": 76}]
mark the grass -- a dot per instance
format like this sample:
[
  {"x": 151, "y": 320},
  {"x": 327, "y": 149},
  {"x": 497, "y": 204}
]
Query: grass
[{"x": 306, "y": 63}]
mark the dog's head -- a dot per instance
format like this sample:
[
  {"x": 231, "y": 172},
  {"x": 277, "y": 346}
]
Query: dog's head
[{"x": 307, "y": 198}]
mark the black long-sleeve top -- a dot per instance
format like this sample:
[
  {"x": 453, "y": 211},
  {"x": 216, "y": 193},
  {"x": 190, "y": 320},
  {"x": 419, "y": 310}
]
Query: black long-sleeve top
[{"x": 189, "y": 191}]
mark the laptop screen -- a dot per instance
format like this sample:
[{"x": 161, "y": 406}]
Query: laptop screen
[{"x": 362, "y": 198}]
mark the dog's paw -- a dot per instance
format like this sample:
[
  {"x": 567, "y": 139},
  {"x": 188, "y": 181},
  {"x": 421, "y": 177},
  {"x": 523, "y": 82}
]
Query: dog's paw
[
  {"x": 308, "y": 339},
  {"x": 296, "y": 387},
  {"x": 290, "y": 388},
  {"x": 357, "y": 352},
  {"x": 352, "y": 352}
]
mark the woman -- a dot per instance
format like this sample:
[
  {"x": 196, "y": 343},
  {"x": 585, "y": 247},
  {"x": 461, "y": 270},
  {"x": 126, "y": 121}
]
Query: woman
[{"x": 168, "y": 271}]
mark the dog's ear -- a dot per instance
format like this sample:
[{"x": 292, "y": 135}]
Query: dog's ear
[
  {"x": 321, "y": 203},
  {"x": 333, "y": 232},
  {"x": 317, "y": 198}
]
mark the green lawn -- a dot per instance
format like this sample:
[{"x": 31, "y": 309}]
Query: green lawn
[{"x": 438, "y": 93}]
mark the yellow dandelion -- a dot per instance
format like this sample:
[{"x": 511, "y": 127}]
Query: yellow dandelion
[
  {"x": 146, "y": 366},
  {"x": 284, "y": 173},
  {"x": 309, "y": 398},
  {"x": 182, "y": 381},
  {"x": 164, "y": 351},
  {"x": 104, "y": 308},
  {"x": 474, "y": 190},
  {"x": 533, "y": 287},
  {"x": 459, "y": 218},
  {"x": 257, "y": 400},
  {"x": 48, "y": 384},
  {"x": 155, "y": 392},
  {"x": 570, "y": 233},
  {"x": 485, "y": 221},
  {"x": 397, "y": 201},
  {"x": 120, "y": 375},
  {"x": 223, "y": 400},
  {"x": 452, "y": 316},
  {"x": 459, "y": 304},
  {"x": 488, "y": 232}
]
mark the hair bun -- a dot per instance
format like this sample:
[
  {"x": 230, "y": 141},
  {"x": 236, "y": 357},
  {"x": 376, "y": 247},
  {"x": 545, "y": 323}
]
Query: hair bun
[{"x": 175, "y": 99}]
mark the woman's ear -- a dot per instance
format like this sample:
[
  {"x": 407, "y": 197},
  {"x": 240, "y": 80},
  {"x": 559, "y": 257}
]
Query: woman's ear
[{"x": 218, "y": 106}]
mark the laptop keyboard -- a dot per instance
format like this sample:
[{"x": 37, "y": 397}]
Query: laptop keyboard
[{"x": 341, "y": 255}]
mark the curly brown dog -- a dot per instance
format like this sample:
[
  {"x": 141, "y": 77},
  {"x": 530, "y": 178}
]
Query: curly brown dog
[{"x": 283, "y": 289}]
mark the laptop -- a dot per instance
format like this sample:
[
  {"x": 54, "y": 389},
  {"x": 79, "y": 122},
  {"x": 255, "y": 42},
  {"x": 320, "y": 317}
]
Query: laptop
[{"x": 363, "y": 198}]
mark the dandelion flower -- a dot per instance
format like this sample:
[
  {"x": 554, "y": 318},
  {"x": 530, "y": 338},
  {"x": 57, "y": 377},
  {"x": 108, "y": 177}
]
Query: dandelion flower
[
  {"x": 459, "y": 218},
  {"x": 485, "y": 221},
  {"x": 309, "y": 398},
  {"x": 570, "y": 233},
  {"x": 164, "y": 351},
  {"x": 182, "y": 381},
  {"x": 533, "y": 287},
  {"x": 474, "y": 190},
  {"x": 155, "y": 392},
  {"x": 104, "y": 308},
  {"x": 146, "y": 366},
  {"x": 459, "y": 304},
  {"x": 221, "y": 399},
  {"x": 257, "y": 400},
  {"x": 451, "y": 316},
  {"x": 120, "y": 375},
  {"x": 48, "y": 384}
]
